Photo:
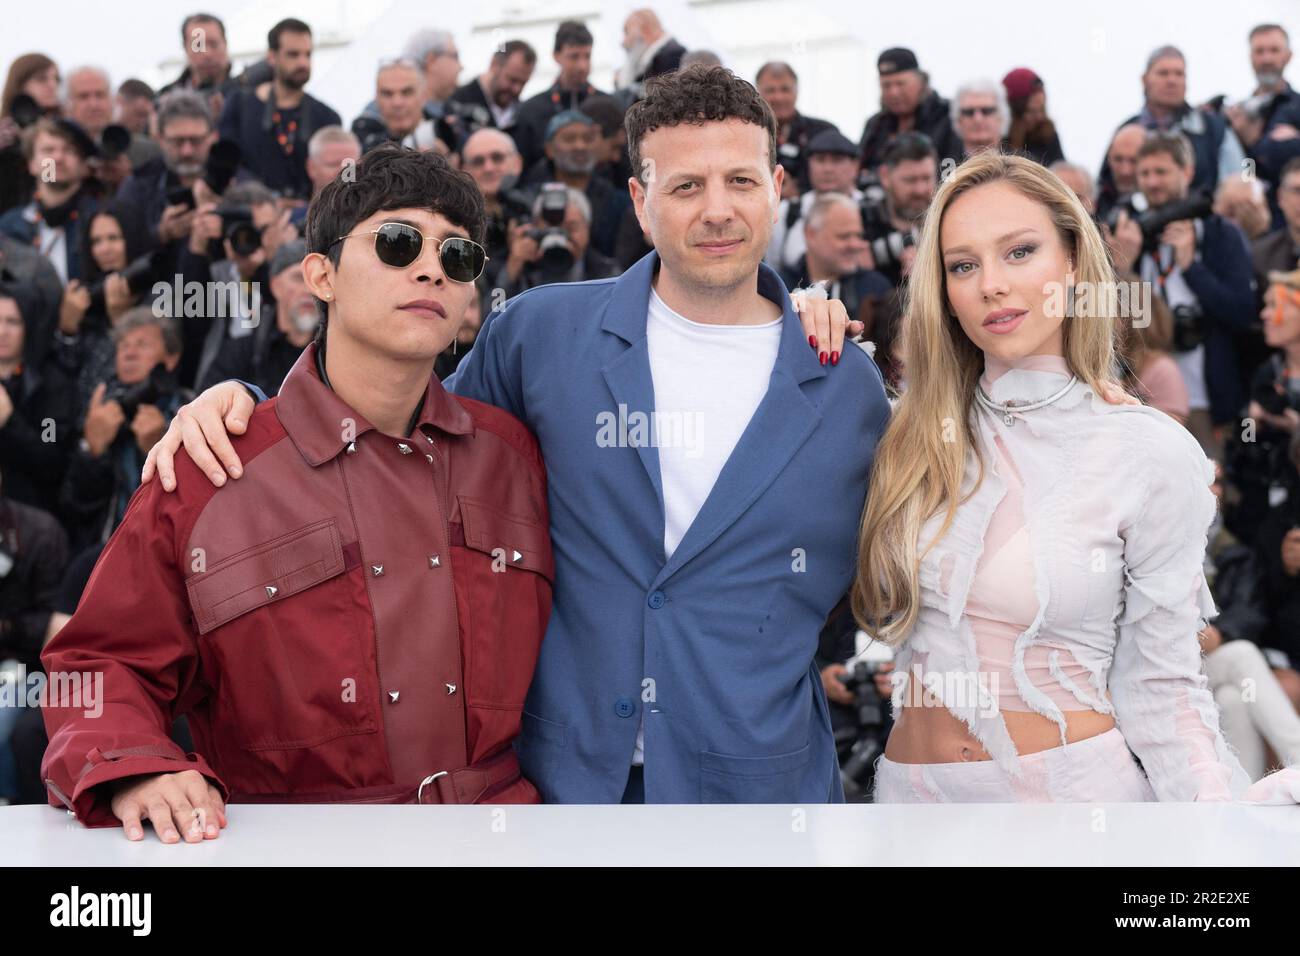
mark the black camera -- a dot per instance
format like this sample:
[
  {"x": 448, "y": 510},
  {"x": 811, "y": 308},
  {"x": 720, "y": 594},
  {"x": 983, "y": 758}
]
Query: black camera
[
  {"x": 238, "y": 228},
  {"x": 139, "y": 275},
  {"x": 1189, "y": 327},
  {"x": 1152, "y": 222},
  {"x": 888, "y": 249},
  {"x": 1279, "y": 392},
  {"x": 887, "y": 243},
  {"x": 371, "y": 131},
  {"x": 159, "y": 385},
  {"x": 223, "y": 162},
  {"x": 25, "y": 110},
  {"x": 862, "y": 742},
  {"x": 552, "y": 240},
  {"x": 114, "y": 141}
]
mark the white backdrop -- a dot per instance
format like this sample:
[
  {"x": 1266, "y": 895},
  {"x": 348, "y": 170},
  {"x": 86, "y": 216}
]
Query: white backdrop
[{"x": 1090, "y": 55}]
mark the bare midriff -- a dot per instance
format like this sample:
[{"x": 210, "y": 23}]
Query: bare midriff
[{"x": 927, "y": 732}]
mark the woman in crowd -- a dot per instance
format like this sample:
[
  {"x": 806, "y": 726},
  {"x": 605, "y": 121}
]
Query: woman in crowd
[
  {"x": 30, "y": 90},
  {"x": 112, "y": 239},
  {"x": 1032, "y": 132}
]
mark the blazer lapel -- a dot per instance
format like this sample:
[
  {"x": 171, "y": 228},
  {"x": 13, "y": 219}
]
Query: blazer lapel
[
  {"x": 628, "y": 374},
  {"x": 781, "y": 424}
]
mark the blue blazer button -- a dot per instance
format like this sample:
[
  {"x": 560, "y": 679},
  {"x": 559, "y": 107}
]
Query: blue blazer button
[
  {"x": 624, "y": 707},
  {"x": 656, "y": 600}
]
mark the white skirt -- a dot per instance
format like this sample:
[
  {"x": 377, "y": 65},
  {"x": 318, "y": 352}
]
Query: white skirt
[{"x": 1098, "y": 769}]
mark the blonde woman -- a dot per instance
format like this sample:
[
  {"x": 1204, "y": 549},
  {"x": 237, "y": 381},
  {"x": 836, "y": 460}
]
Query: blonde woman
[{"x": 1033, "y": 551}]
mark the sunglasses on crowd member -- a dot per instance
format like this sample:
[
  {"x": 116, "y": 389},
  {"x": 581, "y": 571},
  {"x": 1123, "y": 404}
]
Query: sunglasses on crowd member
[
  {"x": 968, "y": 111},
  {"x": 398, "y": 245}
]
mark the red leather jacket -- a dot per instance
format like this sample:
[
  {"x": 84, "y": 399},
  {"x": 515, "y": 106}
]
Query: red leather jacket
[{"x": 351, "y": 618}]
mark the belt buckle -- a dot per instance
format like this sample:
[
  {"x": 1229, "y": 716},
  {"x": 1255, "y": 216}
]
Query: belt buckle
[{"x": 419, "y": 794}]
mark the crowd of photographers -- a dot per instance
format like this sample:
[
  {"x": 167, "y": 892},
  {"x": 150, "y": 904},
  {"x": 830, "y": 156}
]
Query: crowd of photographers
[{"x": 149, "y": 243}]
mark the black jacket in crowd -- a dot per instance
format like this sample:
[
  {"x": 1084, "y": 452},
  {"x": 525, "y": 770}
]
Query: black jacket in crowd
[
  {"x": 248, "y": 120},
  {"x": 933, "y": 118},
  {"x": 35, "y": 550}
]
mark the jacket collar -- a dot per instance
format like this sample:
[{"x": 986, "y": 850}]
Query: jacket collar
[
  {"x": 625, "y": 315},
  {"x": 312, "y": 413}
]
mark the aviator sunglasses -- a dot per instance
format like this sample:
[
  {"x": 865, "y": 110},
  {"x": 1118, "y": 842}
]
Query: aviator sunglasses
[{"x": 398, "y": 245}]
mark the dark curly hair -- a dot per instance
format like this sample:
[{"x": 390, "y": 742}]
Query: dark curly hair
[
  {"x": 698, "y": 94},
  {"x": 391, "y": 177}
]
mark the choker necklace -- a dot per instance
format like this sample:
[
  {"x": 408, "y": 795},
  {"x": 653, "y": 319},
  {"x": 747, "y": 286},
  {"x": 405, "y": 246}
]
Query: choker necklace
[{"x": 1006, "y": 409}]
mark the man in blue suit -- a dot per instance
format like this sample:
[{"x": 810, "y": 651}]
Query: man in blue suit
[{"x": 706, "y": 474}]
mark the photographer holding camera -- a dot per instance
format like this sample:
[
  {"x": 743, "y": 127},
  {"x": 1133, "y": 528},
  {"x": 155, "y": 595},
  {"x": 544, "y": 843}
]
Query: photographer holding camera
[
  {"x": 166, "y": 190},
  {"x": 491, "y": 159},
  {"x": 574, "y": 150},
  {"x": 90, "y": 106},
  {"x": 554, "y": 245},
  {"x": 1199, "y": 265},
  {"x": 117, "y": 270},
  {"x": 287, "y": 324},
  {"x": 832, "y": 160},
  {"x": 31, "y": 91},
  {"x": 125, "y": 417},
  {"x": 856, "y": 676},
  {"x": 892, "y": 214},
  {"x": 397, "y": 112},
  {"x": 231, "y": 246},
  {"x": 1258, "y": 464},
  {"x": 834, "y": 244}
]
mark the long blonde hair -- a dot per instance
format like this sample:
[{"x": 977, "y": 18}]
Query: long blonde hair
[{"x": 921, "y": 459}]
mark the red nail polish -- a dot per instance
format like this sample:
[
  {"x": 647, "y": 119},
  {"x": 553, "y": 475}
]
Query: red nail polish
[
  {"x": 822, "y": 358},
  {"x": 835, "y": 358},
  {"x": 812, "y": 341}
]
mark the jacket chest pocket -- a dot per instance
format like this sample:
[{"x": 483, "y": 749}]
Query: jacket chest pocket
[
  {"x": 503, "y": 570},
  {"x": 287, "y": 638}
]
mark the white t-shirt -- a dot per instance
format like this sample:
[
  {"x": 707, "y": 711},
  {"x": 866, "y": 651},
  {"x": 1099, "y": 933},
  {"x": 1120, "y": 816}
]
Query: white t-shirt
[{"x": 708, "y": 382}]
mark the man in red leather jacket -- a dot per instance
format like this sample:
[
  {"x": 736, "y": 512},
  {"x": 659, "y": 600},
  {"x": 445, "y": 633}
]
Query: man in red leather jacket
[{"x": 358, "y": 618}]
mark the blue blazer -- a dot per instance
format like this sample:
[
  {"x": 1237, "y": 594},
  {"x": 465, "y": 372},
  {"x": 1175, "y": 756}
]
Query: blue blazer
[{"x": 716, "y": 645}]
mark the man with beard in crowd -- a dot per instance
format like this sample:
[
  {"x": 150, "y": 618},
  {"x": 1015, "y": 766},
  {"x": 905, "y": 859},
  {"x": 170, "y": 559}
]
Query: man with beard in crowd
[
  {"x": 285, "y": 327},
  {"x": 571, "y": 144},
  {"x": 186, "y": 135},
  {"x": 273, "y": 123},
  {"x": 909, "y": 175},
  {"x": 493, "y": 97},
  {"x": 573, "y": 56},
  {"x": 650, "y": 52}
]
